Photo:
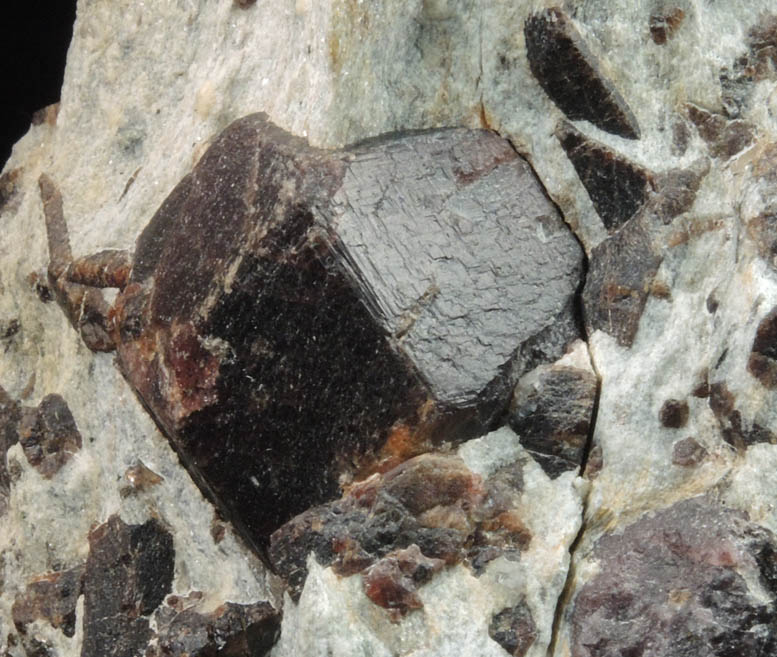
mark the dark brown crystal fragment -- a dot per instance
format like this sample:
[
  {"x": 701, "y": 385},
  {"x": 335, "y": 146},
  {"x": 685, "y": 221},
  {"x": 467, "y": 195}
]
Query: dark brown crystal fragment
[
  {"x": 762, "y": 363},
  {"x": 551, "y": 412},
  {"x": 681, "y": 135},
  {"x": 734, "y": 429},
  {"x": 621, "y": 271},
  {"x": 569, "y": 73},
  {"x": 758, "y": 62},
  {"x": 721, "y": 400},
  {"x": 51, "y": 597},
  {"x": 129, "y": 572},
  {"x": 432, "y": 503},
  {"x": 724, "y": 137},
  {"x": 296, "y": 317},
  {"x": 617, "y": 187},
  {"x": 392, "y": 582},
  {"x": 674, "y": 191},
  {"x": 49, "y": 435},
  {"x": 513, "y": 628},
  {"x": 680, "y": 583},
  {"x": 674, "y": 413},
  {"x": 594, "y": 463},
  {"x": 231, "y": 630},
  {"x": 762, "y": 42}
]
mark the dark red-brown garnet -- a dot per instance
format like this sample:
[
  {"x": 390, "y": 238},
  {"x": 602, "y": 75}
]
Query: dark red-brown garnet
[{"x": 297, "y": 317}]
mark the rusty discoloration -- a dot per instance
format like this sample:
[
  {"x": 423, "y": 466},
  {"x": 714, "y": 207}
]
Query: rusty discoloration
[
  {"x": 39, "y": 284},
  {"x": 9, "y": 185},
  {"x": 392, "y": 581},
  {"x": 85, "y": 306},
  {"x": 695, "y": 228},
  {"x": 762, "y": 230},
  {"x": 109, "y": 268},
  {"x": 47, "y": 115}
]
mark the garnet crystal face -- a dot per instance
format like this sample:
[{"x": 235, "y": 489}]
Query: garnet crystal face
[{"x": 296, "y": 317}]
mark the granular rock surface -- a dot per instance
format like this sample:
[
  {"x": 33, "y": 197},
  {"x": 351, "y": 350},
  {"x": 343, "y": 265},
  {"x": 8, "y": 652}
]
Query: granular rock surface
[{"x": 470, "y": 306}]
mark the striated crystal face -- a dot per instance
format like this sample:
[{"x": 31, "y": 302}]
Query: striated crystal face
[
  {"x": 297, "y": 317},
  {"x": 455, "y": 242}
]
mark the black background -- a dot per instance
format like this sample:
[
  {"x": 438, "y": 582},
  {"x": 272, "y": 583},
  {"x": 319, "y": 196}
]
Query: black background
[{"x": 34, "y": 38}]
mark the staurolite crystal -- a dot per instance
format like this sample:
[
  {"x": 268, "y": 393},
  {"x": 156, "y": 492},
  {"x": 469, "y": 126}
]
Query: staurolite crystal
[
  {"x": 571, "y": 75},
  {"x": 618, "y": 188},
  {"x": 298, "y": 317}
]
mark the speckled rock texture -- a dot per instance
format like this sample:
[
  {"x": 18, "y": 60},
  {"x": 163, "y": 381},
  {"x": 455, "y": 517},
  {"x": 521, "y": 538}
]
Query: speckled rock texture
[{"x": 615, "y": 496}]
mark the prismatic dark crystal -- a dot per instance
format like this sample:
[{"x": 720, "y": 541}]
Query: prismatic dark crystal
[
  {"x": 295, "y": 318},
  {"x": 616, "y": 289},
  {"x": 617, "y": 187},
  {"x": 513, "y": 628},
  {"x": 725, "y": 138},
  {"x": 569, "y": 73},
  {"x": 128, "y": 573},
  {"x": 231, "y": 630},
  {"x": 552, "y": 410}
]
